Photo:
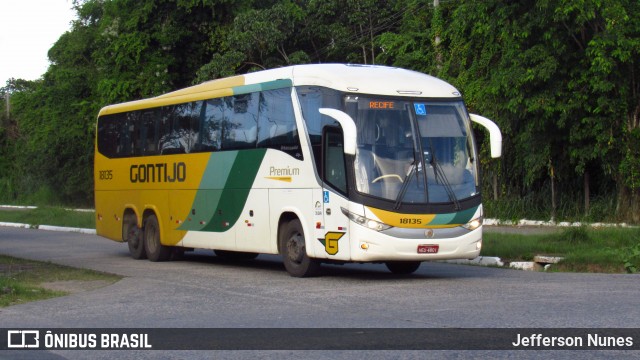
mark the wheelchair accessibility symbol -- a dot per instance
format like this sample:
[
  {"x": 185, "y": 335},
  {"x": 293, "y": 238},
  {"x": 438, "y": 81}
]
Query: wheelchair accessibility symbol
[{"x": 421, "y": 109}]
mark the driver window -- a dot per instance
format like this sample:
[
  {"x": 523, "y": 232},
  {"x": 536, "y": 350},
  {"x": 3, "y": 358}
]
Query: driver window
[{"x": 334, "y": 166}]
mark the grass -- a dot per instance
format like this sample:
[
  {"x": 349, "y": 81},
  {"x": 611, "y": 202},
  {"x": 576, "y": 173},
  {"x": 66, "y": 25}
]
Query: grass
[
  {"x": 605, "y": 250},
  {"x": 49, "y": 216},
  {"x": 20, "y": 279}
]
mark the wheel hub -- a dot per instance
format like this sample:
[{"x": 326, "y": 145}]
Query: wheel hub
[{"x": 295, "y": 248}]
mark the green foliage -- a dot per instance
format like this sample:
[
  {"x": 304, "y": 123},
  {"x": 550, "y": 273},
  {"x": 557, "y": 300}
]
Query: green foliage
[
  {"x": 632, "y": 258},
  {"x": 560, "y": 78},
  {"x": 575, "y": 235},
  {"x": 630, "y": 164}
]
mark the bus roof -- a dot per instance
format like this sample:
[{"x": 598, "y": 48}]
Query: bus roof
[{"x": 364, "y": 79}]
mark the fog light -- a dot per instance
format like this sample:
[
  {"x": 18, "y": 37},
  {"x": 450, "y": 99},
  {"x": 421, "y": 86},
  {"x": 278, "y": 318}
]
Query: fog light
[{"x": 479, "y": 244}]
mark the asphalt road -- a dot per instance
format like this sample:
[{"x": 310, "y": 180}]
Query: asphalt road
[{"x": 203, "y": 291}]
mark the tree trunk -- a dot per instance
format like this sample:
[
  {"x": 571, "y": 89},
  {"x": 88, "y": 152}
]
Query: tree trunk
[
  {"x": 628, "y": 207},
  {"x": 373, "y": 53},
  {"x": 495, "y": 186},
  {"x": 437, "y": 40},
  {"x": 553, "y": 193},
  {"x": 7, "y": 97},
  {"x": 587, "y": 204},
  {"x": 364, "y": 54}
]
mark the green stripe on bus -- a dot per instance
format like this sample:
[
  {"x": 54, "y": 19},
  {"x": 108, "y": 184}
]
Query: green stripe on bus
[
  {"x": 222, "y": 198},
  {"x": 461, "y": 217},
  {"x": 276, "y": 84}
]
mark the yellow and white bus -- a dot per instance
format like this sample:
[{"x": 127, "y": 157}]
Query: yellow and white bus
[{"x": 318, "y": 163}]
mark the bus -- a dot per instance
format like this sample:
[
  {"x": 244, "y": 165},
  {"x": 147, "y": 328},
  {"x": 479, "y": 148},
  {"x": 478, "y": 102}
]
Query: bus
[{"x": 322, "y": 163}]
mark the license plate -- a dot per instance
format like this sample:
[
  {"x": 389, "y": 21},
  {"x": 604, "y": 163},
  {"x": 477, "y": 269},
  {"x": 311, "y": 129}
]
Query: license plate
[{"x": 428, "y": 249}]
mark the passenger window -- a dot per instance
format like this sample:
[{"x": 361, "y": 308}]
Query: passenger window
[
  {"x": 241, "y": 126},
  {"x": 111, "y": 131},
  {"x": 169, "y": 142},
  {"x": 277, "y": 123},
  {"x": 149, "y": 132},
  {"x": 133, "y": 145},
  {"x": 211, "y": 116},
  {"x": 184, "y": 129}
]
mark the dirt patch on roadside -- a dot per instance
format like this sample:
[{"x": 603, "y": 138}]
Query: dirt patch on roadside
[
  {"x": 76, "y": 286},
  {"x": 9, "y": 269}
]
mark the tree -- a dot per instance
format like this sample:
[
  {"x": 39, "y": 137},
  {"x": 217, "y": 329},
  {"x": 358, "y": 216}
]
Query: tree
[
  {"x": 606, "y": 83},
  {"x": 561, "y": 79}
]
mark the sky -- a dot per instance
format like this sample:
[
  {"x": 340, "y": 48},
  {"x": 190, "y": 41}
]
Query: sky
[{"x": 28, "y": 29}]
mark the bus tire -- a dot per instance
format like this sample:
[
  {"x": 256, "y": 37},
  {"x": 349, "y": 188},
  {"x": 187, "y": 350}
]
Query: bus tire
[
  {"x": 133, "y": 236},
  {"x": 403, "y": 267},
  {"x": 294, "y": 252},
  {"x": 155, "y": 250}
]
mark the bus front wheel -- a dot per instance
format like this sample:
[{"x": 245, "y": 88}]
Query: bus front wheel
[
  {"x": 155, "y": 250},
  {"x": 403, "y": 267},
  {"x": 294, "y": 252}
]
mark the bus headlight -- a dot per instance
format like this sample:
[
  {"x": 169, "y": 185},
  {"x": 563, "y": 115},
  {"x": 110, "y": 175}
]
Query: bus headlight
[
  {"x": 473, "y": 224},
  {"x": 361, "y": 220}
]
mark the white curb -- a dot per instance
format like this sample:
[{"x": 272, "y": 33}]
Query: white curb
[
  {"x": 49, "y": 228},
  {"x": 16, "y": 225},
  {"x": 67, "y": 229},
  {"x": 523, "y": 265},
  {"x": 525, "y": 222},
  {"x": 480, "y": 260}
]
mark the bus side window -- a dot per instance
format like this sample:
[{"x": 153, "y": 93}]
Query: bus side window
[
  {"x": 211, "y": 117},
  {"x": 176, "y": 129},
  {"x": 311, "y": 99},
  {"x": 183, "y": 132},
  {"x": 201, "y": 124},
  {"x": 334, "y": 170},
  {"x": 133, "y": 146},
  {"x": 149, "y": 132},
  {"x": 165, "y": 143},
  {"x": 109, "y": 134},
  {"x": 277, "y": 123},
  {"x": 241, "y": 130}
]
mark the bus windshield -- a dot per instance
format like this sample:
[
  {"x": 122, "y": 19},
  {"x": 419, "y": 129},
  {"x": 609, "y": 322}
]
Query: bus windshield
[{"x": 413, "y": 151}]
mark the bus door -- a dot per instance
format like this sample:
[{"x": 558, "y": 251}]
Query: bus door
[{"x": 334, "y": 229}]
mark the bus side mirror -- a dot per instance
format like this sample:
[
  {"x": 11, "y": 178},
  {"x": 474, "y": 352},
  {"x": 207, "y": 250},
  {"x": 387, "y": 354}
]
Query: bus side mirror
[
  {"x": 348, "y": 128},
  {"x": 495, "y": 136}
]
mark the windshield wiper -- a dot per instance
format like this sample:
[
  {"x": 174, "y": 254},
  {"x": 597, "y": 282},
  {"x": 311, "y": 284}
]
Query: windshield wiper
[
  {"x": 439, "y": 173},
  {"x": 405, "y": 183}
]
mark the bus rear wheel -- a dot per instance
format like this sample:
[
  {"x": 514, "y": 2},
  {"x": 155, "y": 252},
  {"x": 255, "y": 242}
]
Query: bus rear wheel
[
  {"x": 402, "y": 267},
  {"x": 155, "y": 250},
  {"x": 294, "y": 252},
  {"x": 133, "y": 236}
]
